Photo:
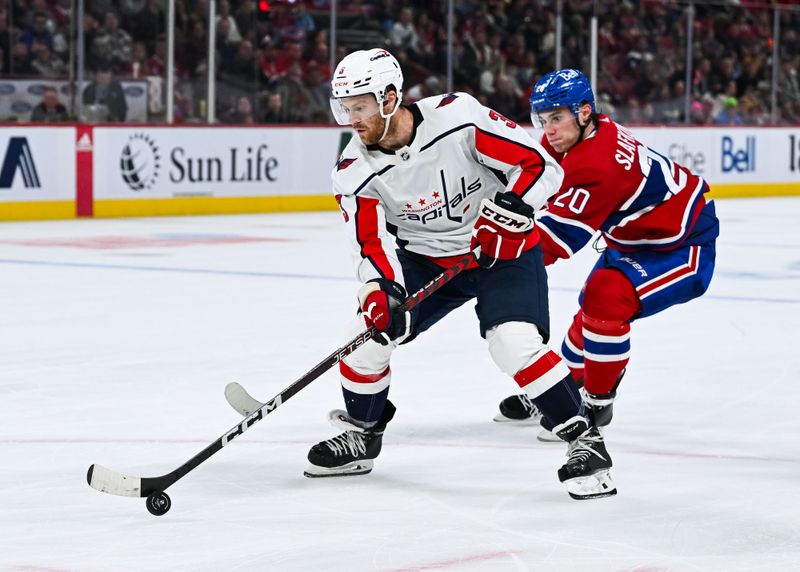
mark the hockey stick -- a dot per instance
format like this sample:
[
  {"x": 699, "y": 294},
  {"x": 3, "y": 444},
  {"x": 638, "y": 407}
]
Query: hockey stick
[{"x": 158, "y": 503}]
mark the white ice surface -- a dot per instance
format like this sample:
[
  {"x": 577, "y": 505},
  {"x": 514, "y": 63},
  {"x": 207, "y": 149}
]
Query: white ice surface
[{"x": 117, "y": 338}]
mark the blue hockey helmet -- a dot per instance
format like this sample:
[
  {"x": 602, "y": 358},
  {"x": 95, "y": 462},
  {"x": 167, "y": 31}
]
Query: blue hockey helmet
[{"x": 562, "y": 88}]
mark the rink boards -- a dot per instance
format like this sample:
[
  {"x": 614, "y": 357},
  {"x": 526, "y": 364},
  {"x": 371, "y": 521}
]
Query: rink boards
[{"x": 107, "y": 171}]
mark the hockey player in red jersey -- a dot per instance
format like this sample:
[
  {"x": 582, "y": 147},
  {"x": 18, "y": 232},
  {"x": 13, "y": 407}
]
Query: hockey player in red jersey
[
  {"x": 423, "y": 185},
  {"x": 659, "y": 231}
]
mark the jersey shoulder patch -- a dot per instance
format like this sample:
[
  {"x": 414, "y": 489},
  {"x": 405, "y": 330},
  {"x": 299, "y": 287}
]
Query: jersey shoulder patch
[
  {"x": 447, "y": 99},
  {"x": 344, "y": 162},
  {"x": 446, "y": 103},
  {"x": 352, "y": 169}
]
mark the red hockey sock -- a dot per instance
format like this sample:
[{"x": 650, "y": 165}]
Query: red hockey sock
[
  {"x": 609, "y": 303},
  {"x": 572, "y": 348}
]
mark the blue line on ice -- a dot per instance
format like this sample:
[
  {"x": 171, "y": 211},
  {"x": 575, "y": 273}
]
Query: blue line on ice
[{"x": 317, "y": 277}]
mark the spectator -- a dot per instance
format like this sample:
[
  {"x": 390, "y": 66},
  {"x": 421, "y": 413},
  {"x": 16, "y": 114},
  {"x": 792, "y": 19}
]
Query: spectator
[
  {"x": 138, "y": 66},
  {"x": 130, "y": 8},
  {"x": 242, "y": 70},
  {"x": 47, "y": 65},
  {"x": 320, "y": 89},
  {"x": 320, "y": 58},
  {"x": 730, "y": 113},
  {"x": 431, "y": 86},
  {"x": 788, "y": 82},
  {"x": 62, "y": 14},
  {"x": 20, "y": 60},
  {"x": 270, "y": 69},
  {"x": 403, "y": 36},
  {"x": 293, "y": 55},
  {"x": 49, "y": 110},
  {"x": 37, "y": 32},
  {"x": 119, "y": 42},
  {"x": 274, "y": 109},
  {"x": 5, "y": 43},
  {"x": 195, "y": 50},
  {"x": 184, "y": 108},
  {"x": 670, "y": 105},
  {"x": 242, "y": 114},
  {"x": 245, "y": 17},
  {"x": 232, "y": 34},
  {"x": 106, "y": 96},
  {"x": 157, "y": 64},
  {"x": 507, "y": 98},
  {"x": 302, "y": 22},
  {"x": 148, "y": 23},
  {"x": 226, "y": 48},
  {"x": 295, "y": 95}
]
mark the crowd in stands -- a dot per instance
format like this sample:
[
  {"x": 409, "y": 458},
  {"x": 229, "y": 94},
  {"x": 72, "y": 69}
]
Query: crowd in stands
[{"x": 273, "y": 60}]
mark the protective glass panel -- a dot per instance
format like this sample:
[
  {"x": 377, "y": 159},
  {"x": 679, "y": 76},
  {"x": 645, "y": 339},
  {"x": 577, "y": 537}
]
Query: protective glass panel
[
  {"x": 731, "y": 84},
  {"x": 273, "y": 62},
  {"x": 35, "y": 55},
  {"x": 642, "y": 62},
  {"x": 787, "y": 92}
]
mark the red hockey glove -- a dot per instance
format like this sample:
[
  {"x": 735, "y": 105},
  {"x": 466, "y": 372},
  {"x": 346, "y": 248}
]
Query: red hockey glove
[
  {"x": 501, "y": 228},
  {"x": 379, "y": 301}
]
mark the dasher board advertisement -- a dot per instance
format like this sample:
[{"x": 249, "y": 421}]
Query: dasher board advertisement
[
  {"x": 148, "y": 163},
  {"x": 37, "y": 164}
]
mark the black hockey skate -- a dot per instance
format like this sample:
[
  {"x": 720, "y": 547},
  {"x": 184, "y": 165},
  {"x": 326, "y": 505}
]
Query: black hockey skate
[
  {"x": 601, "y": 405},
  {"x": 352, "y": 452},
  {"x": 586, "y": 472},
  {"x": 520, "y": 409}
]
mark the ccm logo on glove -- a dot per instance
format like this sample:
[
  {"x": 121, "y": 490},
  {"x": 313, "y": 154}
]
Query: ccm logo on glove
[{"x": 502, "y": 228}]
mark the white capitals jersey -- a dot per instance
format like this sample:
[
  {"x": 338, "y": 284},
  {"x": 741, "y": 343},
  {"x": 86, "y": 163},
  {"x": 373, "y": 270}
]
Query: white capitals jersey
[{"x": 425, "y": 196}]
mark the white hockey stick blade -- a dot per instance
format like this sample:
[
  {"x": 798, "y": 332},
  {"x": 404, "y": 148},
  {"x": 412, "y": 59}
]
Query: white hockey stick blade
[
  {"x": 108, "y": 481},
  {"x": 240, "y": 400}
]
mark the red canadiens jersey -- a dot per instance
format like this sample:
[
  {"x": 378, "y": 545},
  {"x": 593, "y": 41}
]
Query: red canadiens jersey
[
  {"x": 637, "y": 198},
  {"x": 425, "y": 196}
]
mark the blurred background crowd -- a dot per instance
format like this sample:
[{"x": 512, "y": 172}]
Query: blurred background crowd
[{"x": 273, "y": 58}]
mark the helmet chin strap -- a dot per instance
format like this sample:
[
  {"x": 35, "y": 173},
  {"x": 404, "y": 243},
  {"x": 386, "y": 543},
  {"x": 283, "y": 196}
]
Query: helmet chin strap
[
  {"x": 582, "y": 128},
  {"x": 387, "y": 120}
]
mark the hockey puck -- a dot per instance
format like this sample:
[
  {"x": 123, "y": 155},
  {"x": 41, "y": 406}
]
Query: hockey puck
[{"x": 158, "y": 504}]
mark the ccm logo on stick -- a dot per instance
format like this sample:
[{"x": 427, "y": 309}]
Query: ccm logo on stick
[{"x": 249, "y": 421}]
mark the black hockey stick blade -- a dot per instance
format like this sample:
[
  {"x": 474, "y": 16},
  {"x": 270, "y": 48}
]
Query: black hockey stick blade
[{"x": 111, "y": 482}]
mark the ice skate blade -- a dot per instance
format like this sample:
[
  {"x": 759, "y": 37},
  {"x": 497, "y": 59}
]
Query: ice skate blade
[
  {"x": 546, "y": 436},
  {"x": 500, "y": 418},
  {"x": 594, "y": 486},
  {"x": 348, "y": 470}
]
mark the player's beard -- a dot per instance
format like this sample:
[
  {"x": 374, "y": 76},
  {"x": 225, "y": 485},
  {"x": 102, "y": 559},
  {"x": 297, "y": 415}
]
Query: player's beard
[{"x": 372, "y": 130}]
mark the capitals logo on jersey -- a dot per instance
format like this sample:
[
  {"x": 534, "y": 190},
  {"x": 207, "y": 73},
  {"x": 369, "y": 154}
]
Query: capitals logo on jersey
[{"x": 441, "y": 203}]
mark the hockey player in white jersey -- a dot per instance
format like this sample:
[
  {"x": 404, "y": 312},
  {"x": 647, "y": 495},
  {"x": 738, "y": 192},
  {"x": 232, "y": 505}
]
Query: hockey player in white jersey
[{"x": 421, "y": 186}]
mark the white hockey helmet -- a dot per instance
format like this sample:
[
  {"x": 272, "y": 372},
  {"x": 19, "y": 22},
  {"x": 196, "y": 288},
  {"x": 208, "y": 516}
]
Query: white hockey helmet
[{"x": 365, "y": 71}]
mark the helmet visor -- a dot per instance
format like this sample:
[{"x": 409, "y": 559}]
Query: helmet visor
[
  {"x": 351, "y": 110},
  {"x": 552, "y": 117},
  {"x": 537, "y": 120}
]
